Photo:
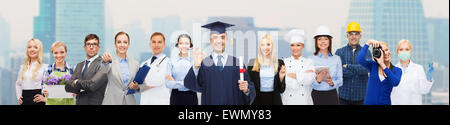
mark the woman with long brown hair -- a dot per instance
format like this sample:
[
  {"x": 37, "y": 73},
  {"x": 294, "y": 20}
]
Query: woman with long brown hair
[{"x": 329, "y": 77}]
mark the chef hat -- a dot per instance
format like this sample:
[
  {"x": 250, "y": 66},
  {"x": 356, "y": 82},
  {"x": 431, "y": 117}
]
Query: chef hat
[{"x": 295, "y": 36}]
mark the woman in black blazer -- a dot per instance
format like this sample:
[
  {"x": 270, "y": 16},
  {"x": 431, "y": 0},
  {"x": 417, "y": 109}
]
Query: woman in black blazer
[{"x": 267, "y": 73}]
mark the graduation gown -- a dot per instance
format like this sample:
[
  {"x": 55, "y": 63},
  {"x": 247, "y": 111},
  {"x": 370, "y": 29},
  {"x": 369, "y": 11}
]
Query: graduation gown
[{"x": 220, "y": 87}]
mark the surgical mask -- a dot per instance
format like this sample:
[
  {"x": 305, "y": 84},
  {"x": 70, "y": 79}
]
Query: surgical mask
[{"x": 404, "y": 55}]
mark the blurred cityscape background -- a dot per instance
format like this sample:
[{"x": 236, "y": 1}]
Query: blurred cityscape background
[{"x": 427, "y": 27}]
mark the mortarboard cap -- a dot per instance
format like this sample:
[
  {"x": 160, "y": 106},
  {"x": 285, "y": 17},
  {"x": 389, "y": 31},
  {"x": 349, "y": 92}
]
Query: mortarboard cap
[{"x": 217, "y": 27}]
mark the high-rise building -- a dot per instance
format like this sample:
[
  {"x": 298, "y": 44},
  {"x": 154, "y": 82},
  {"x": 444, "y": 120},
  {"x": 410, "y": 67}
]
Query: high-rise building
[
  {"x": 438, "y": 30},
  {"x": 4, "y": 41},
  {"x": 44, "y": 24},
  {"x": 392, "y": 21},
  {"x": 8, "y": 90},
  {"x": 75, "y": 19},
  {"x": 139, "y": 40}
]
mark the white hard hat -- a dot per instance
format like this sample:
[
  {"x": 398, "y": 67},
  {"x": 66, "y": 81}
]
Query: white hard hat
[
  {"x": 323, "y": 31},
  {"x": 295, "y": 36}
]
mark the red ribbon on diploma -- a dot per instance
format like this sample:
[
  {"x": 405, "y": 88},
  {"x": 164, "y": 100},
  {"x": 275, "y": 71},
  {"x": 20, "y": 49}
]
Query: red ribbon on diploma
[{"x": 241, "y": 70}]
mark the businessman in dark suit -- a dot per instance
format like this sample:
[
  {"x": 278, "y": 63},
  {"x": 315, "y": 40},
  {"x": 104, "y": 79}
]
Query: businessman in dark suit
[{"x": 90, "y": 78}]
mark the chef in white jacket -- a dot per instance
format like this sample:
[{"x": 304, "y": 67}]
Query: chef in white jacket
[
  {"x": 154, "y": 90},
  {"x": 300, "y": 72},
  {"x": 414, "y": 81}
]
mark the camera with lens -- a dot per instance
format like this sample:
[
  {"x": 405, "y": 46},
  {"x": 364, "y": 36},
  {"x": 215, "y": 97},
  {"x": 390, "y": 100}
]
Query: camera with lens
[{"x": 377, "y": 52}]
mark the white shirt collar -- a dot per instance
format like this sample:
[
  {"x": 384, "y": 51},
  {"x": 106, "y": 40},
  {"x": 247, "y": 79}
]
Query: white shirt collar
[
  {"x": 93, "y": 58},
  {"x": 224, "y": 59},
  {"x": 214, "y": 55}
]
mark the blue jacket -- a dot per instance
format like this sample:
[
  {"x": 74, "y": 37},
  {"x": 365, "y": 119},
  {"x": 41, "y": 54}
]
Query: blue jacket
[{"x": 379, "y": 92}]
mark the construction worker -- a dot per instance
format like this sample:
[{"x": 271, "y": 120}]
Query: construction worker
[{"x": 355, "y": 76}]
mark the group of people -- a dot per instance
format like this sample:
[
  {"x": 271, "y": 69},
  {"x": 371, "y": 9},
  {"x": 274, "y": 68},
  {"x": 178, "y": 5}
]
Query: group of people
[{"x": 350, "y": 76}]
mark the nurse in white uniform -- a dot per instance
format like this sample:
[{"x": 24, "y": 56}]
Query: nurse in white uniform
[
  {"x": 154, "y": 90},
  {"x": 414, "y": 82},
  {"x": 300, "y": 72}
]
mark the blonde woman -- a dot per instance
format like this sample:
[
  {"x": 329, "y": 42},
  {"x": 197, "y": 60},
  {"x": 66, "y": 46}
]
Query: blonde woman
[
  {"x": 267, "y": 72},
  {"x": 300, "y": 72},
  {"x": 383, "y": 75},
  {"x": 29, "y": 80},
  {"x": 414, "y": 82},
  {"x": 58, "y": 68}
]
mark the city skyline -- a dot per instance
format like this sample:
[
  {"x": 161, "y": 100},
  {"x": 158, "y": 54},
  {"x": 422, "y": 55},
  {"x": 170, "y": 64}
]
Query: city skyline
[
  {"x": 104, "y": 19},
  {"x": 21, "y": 20}
]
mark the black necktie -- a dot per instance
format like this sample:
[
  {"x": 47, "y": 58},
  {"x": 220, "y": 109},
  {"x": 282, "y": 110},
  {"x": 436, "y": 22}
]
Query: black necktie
[
  {"x": 153, "y": 59},
  {"x": 85, "y": 68}
]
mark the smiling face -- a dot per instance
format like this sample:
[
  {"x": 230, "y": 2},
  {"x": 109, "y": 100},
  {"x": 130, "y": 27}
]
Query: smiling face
[
  {"x": 387, "y": 52},
  {"x": 266, "y": 47},
  {"x": 32, "y": 49},
  {"x": 323, "y": 42},
  {"x": 59, "y": 54},
  {"x": 184, "y": 44},
  {"x": 157, "y": 44},
  {"x": 353, "y": 38},
  {"x": 122, "y": 44},
  {"x": 218, "y": 42},
  {"x": 296, "y": 49}
]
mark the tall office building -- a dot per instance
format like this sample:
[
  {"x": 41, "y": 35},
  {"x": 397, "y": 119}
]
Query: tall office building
[
  {"x": 9, "y": 90},
  {"x": 391, "y": 21},
  {"x": 4, "y": 41},
  {"x": 44, "y": 24},
  {"x": 75, "y": 19},
  {"x": 438, "y": 30}
]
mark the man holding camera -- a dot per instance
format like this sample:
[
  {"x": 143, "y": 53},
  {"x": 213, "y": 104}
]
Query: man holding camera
[{"x": 353, "y": 91}]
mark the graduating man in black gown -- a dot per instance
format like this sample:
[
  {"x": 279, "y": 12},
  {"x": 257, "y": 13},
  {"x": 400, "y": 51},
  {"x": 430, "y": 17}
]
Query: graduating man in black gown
[{"x": 217, "y": 76}]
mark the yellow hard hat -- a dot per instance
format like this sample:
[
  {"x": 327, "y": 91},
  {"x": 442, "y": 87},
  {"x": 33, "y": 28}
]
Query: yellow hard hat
[{"x": 353, "y": 26}]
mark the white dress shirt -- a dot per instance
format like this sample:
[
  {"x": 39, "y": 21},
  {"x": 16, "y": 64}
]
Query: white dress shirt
[{"x": 28, "y": 83}]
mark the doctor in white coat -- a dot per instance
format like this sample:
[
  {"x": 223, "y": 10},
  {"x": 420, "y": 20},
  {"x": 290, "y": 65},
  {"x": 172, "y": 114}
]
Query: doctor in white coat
[
  {"x": 300, "y": 72},
  {"x": 414, "y": 81},
  {"x": 154, "y": 90}
]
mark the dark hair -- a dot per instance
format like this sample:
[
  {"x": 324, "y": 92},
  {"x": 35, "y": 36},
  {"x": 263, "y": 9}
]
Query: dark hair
[
  {"x": 91, "y": 37},
  {"x": 158, "y": 33},
  {"x": 184, "y": 36},
  {"x": 329, "y": 46},
  {"x": 121, "y": 33}
]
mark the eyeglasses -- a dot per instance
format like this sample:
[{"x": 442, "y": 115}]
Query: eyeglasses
[{"x": 90, "y": 45}]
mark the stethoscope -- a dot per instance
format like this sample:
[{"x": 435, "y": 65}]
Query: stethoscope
[{"x": 157, "y": 65}]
